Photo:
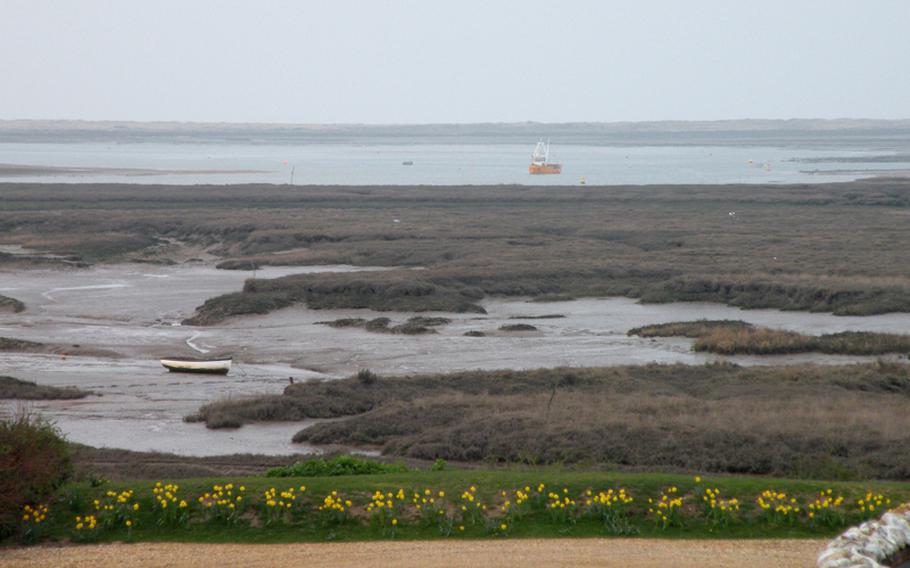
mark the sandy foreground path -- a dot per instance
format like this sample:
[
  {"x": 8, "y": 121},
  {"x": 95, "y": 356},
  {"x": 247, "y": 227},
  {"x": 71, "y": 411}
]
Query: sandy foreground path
[{"x": 631, "y": 553}]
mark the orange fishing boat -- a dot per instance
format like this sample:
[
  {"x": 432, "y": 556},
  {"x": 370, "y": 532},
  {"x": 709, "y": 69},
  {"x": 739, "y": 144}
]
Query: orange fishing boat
[{"x": 540, "y": 160}]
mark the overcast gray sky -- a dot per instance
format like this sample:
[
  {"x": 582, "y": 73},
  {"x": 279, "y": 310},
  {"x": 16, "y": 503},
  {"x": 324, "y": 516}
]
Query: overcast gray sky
[{"x": 453, "y": 61}]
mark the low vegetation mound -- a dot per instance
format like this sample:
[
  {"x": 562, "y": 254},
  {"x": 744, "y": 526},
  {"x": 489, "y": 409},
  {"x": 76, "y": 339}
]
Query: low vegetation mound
[
  {"x": 379, "y": 291},
  {"x": 34, "y": 462},
  {"x": 338, "y": 465},
  {"x": 517, "y": 327},
  {"x": 12, "y": 344},
  {"x": 221, "y": 307},
  {"x": 693, "y": 329},
  {"x": 25, "y": 346},
  {"x": 11, "y": 388},
  {"x": 803, "y": 421},
  {"x": 13, "y": 305},
  {"x": 413, "y": 326},
  {"x": 728, "y": 337}
]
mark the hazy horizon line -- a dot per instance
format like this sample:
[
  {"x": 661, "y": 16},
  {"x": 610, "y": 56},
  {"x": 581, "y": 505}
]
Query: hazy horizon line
[{"x": 470, "y": 123}]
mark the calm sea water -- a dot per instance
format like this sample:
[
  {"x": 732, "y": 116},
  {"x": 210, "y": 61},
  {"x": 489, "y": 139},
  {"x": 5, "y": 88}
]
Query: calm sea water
[{"x": 432, "y": 163}]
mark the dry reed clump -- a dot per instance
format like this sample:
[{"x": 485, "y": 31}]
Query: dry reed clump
[
  {"x": 729, "y": 337},
  {"x": 832, "y": 422},
  {"x": 763, "y": 341}
]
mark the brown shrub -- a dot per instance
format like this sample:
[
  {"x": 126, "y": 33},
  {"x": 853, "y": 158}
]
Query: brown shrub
[{"x": 34, "y": 462}]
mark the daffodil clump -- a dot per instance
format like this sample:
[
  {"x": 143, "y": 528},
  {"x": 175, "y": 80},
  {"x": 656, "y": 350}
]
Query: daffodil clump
[
  {"x": 85, "y": 528},
  {"x": 334, "y": 509},
  {"x": 561, "y": 507},
  {"x": 537, "y": 499},
  {"x": 280, "y": 506},
  {"x": 33, "y": 520},
  {"x": 872, "y": 504},
  {"x": 34, "y": 515},
  {"x": 117, "y": 509},
  {"x": 522, "y": 504},
  {"x": 827, "y": 509},
  {"x": 612, "y": 508},
  {"x": 778, "y": 507},
  {"x": 473, "y": 510},
  {"x": 169, "y": 508},
  {"x": 223, "y": 503},
  {"x": 499, "y": 527},
  {"x": 385, "y": 510},
  {"x": 717, "y": 510},
  {"x": 504, "y": 515},
  {"x": 665, "y": 510},
  {"x": 431, "y": 509}
]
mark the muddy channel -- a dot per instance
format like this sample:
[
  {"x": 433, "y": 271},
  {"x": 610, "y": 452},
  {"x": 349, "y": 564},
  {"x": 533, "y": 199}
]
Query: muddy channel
[{"x": 134, "y": 310}]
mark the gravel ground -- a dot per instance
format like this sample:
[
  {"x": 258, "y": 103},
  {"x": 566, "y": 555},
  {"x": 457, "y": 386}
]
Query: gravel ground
[{"x": 626, "y": 553}]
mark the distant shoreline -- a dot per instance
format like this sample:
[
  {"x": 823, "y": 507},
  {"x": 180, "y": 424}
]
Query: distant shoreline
[
  {"x": 29, "y": 170},
  {"x": 870, "y": 133}
]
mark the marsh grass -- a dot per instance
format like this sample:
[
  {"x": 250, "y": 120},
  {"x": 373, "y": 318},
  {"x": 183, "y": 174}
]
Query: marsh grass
[
  {"x": 846, "y": 421},
  {"x": 825, "y": 248}
]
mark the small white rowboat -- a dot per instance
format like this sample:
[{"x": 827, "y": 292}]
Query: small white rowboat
[{"x": 214, "y": 366}]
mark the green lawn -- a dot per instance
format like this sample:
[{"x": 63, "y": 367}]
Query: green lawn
[{"x": 307, "y": 523}]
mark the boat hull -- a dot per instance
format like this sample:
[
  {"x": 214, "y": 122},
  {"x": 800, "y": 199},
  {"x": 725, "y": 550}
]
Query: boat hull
[
  {"x": 538, "y": 169},
  {"x": 214, "y": 367}
]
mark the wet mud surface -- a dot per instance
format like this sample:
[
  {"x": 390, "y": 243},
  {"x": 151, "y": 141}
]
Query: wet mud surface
[{"x": 133, "y": 310}]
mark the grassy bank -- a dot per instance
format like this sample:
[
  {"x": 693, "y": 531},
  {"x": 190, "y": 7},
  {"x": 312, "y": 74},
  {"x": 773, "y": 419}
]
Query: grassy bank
[
  {"x": 498, "y": 503},
  {"x": 736, "y": 337},
  {"x": 802, "y": 421},
  {"x": 838, "y": 247},
  {"x": 11, "y": 388}
]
